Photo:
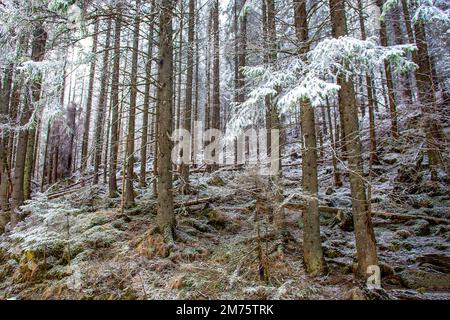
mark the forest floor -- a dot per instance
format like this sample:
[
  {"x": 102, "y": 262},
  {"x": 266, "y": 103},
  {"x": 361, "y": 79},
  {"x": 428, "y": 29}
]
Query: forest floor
[{"x": 79, "y": 246}]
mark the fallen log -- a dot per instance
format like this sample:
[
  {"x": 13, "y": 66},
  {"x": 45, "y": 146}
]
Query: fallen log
[
  {"x": 407, "y": 217},
  {"x": 63, "y": 193},
  {"x": 199, "y": 201},
  {"x": 385, "y": 215}
]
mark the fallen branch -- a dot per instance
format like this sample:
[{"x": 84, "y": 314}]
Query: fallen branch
[{"x": 385, "y": 215}]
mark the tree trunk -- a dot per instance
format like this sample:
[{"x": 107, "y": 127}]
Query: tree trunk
[
  {"x": 102, "y": 101},
  {"x": 5, "y": 97},
  {"x": 37, "y": 54},
  {"x": 336, "y": 173},
  {"x": 90, "y": 96},
  {"x": 215, "y": 107},
  {"x": 426, "y": 87},
  {"x": 389, "y": 79},
  {"x": 166, "y": 216},
  {"x": 188, "y": 100},
  {"x": 364, "y": 235},
  {"x": 312, "y": 247},
  {"x": 274, "y": 118},
  {"x": 129, "y": 191},
  {"x": 112, "y": 183},
  {"x": 145, "y": 115},
  {"x": 114, "y": 148},
  {"x": 373, "y": 158}
]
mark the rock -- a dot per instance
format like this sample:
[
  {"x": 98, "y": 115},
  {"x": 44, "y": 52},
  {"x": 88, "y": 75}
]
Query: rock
[
  {"x": 441, "y": 230},
  {"x": 416, "y": 278},
  {"x": 355, "y": 294},
  {"x": 422, "y": 228},
  {"x": 332, "y": 253},
  {"x": 216, "y": 218},
  {"x": 404, "y": 234},
  {"x": 395, "y": 246},
  {"x": 439, "y": 260},
  {"x": 386, "y": 269},
  {"x": 98, "y": 220}
]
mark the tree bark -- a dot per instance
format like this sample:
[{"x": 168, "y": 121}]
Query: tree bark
[
  {"x": 188, "y": 100},
  {"x": 90, "y": 94},
  {"x": 37, "y": 54},
  {"x": 427, "y": 97},
  {"x": 129, "y": 191},
  {"x": 102, "y": 101},
  {"x": 165, "y": 216},
  {"x": 112, "y": 183},
  {"x": 364, "y": 235},
  {"x": 389, "y": 79},
  {"x": 145, "y": 115},
  {"x": 312, "y": 246}
]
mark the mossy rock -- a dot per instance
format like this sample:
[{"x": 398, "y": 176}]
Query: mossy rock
[
  {"x": 422, "y": 228},
  {"x": 417, "y": 278},
  {"x": 99, "y": 220},
  {"x": 332, "y": 253},
  {"x": 99, "y": 237},
  {"x": 215, "y": 218},
  {"x": 58, "y": 272},
  {"x": 404, "y": 234},
  {"x": 54, "y": 248}
]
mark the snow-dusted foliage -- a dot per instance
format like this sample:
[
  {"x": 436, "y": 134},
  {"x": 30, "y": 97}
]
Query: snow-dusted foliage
[
  {"x": 314, "y": 77},
  {"x": 426, "y": 10},
  {"x": 50, "y": 217}
]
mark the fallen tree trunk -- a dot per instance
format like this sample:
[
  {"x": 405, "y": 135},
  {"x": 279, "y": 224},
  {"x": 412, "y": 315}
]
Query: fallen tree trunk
[
  {"x": 201, "y": 201},
  {"x": 385, "y": 215}
]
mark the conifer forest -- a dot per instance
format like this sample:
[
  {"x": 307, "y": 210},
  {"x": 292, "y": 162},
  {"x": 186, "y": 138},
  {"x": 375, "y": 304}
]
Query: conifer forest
[{"x": 224, "y": 150}]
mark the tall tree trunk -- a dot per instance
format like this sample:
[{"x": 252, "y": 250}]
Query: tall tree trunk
[
  {"x": 112, "y": 183},
  {"x": 215, "y": 106},
  {"x": 166, "y": 216},
  {"x": 279, "y": 220},
  {"x": 399, "y": 40},
  {"x": 90, "y": 96},
  {"x": 389, "y": 79},
  {"x": 102, "y": 101},
  {"x": 373, "y": 158},
  {"x": 188, "y": 100},
  {"x": 427, "y": 97},
  {"x": 362, "y": 221},
  {"x": 129, "y": 191},
  {"x": 46, "y": 162},
  {"x": 411, "y": 40},
  {"x": 179, "y": 69},
  {"x": 5, "y": 97},
  {"x": 312, "y": 247},
  {"x": 145, "y": 115},
  {"x": 336, "y": 173},
  {"x": 37, "y": 54}
]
